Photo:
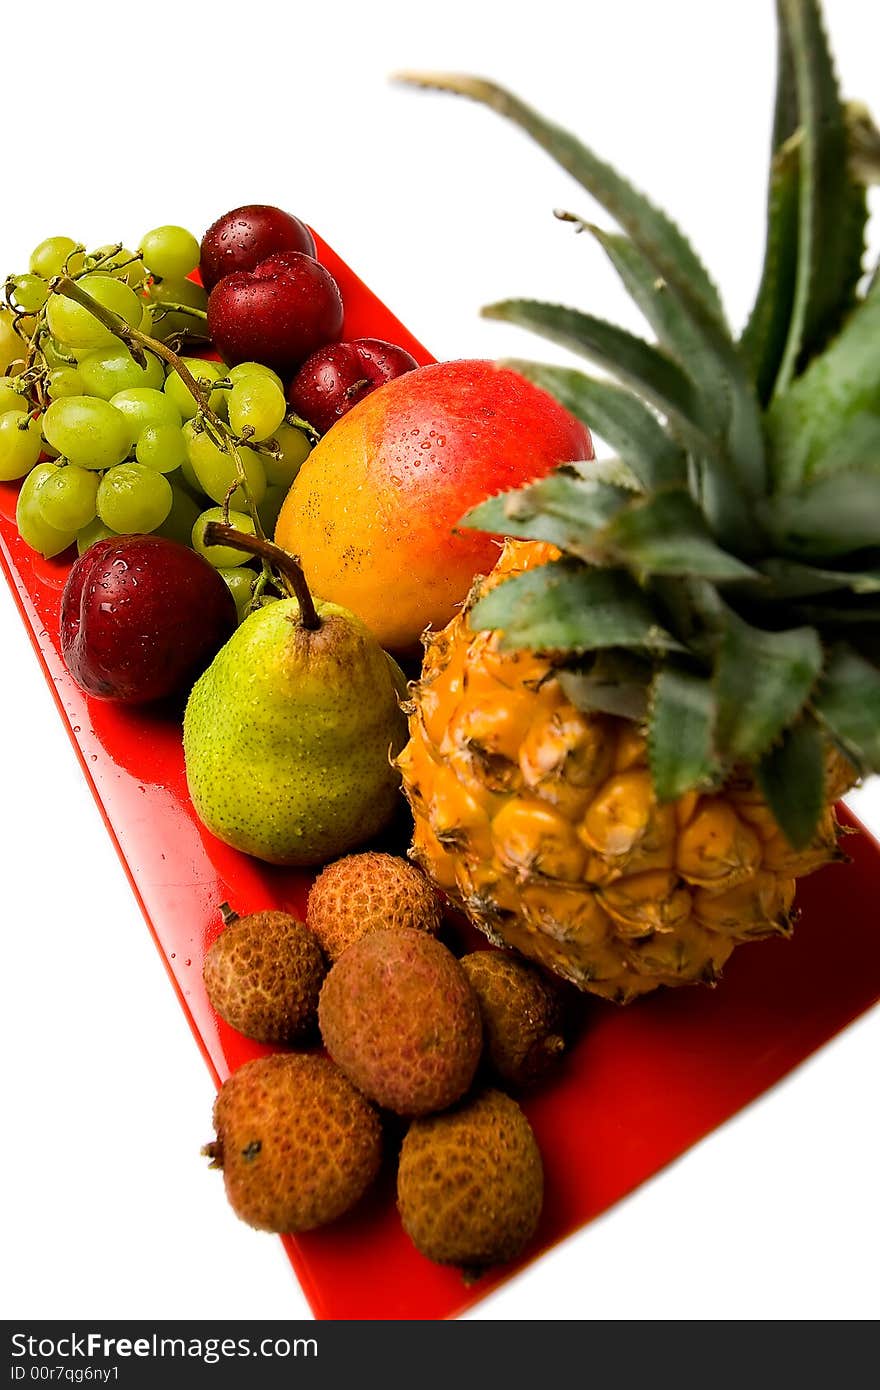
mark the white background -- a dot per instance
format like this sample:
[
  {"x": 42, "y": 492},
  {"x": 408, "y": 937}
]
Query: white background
[{"x": 125, "y": 118}]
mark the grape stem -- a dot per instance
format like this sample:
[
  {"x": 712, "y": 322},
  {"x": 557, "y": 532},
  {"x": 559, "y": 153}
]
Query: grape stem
[
  {"x": 167, "y": 306},
  {"x": 134, "y": 340},
  {"x": 137, "y": 342},
  {"x": 291, "y": 572}
]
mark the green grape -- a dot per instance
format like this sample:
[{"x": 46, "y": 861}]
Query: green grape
[
  {"x": 146, "y": 324},
  {"x": 295, "y": 448},
  {"x": 88, "y": 431},
  {"x": 10, "y": 399},
  {"x": 202, "y": 370},
  {"x": 216, "y": 472},
  {"x": 270, "y": 507},
  {"x": 55, "y": 254},
  {"x": 133, "y": 498},
  {"x": 187, "y": 473},
  {"x": 95, "y": 531},
  {"x": 11, "y": 345},
  {"x": 34, "y": 531},
  {"x": 76, "y": 327},
  {"x": 258, "y": 405},
  {"x": 120, "y": 264},
  {"x": 180, "y": 521},
  {"x": 64, "y": 381},
  {"x": 30, "y": 292},
  {"x": 19, "y": 447},
  {"x": 162, "y": 447},
  {"x": 240, "y": 583},
  {"x": 251, "y": 369},
  {"x": 67, "y": 497},
  {"x": 109, "y": 369},
  {"x": 168, "y": 323},
  {"x": 171, "y": 252},
  {"x": 142, "y": 406},
  {"x": 222, "y": 556}
]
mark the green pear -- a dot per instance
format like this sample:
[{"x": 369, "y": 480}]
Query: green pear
[{"x": 289, "y": 734}]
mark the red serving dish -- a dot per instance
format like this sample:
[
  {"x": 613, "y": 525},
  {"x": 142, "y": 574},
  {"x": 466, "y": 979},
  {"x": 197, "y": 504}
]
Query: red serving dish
[{"x": 640, "y": 1085}]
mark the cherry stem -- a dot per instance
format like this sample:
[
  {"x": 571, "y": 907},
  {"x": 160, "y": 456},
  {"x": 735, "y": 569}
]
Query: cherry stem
[
  {"x": 218, "y": 534},
  {"x": 228, "y": 914}
]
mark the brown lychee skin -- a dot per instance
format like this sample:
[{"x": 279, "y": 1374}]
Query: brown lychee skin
[
  {"x": 297, "y": 1143},
  {"x": 398, "y": 1016},
  {"x": 263, "y": 975},
  {"x": 370, "y": 892},
  {"x": 522, "y": 1013},
  {"x": 470, "y": 1183}
]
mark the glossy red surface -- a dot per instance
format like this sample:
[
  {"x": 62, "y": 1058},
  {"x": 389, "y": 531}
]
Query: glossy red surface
[{"x": 639, "y": 1086}]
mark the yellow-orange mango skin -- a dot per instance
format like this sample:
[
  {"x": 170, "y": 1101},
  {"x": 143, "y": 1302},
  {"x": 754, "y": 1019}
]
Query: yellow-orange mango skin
[{"x": 373, "y": 511}]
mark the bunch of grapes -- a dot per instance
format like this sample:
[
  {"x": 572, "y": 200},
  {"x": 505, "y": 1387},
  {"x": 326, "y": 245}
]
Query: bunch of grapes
[{"x": 110, "y": 438}]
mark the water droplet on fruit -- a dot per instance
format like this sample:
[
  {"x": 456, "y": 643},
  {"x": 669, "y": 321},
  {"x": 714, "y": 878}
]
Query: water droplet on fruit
[
  {"x": 187, "y": 962},
  {"x": 93, "y": 758},
  {"x": 441, "y": 440},
  {"x": 425, "y": 444},
  {"x": 108, "y": 607},
  {"x": 76, "y": 728}
]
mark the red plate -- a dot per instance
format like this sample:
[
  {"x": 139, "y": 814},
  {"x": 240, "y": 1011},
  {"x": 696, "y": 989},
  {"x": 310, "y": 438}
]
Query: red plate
[{"x": 640, "y": 1086}]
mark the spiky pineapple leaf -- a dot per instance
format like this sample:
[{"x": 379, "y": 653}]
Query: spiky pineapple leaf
[
  {"x": 857, "y": 446},
  {"x": 564, "y": 606},
  {"x": 766, "y": 332},
  {"x": 764, "y": 337},
  {"x": 653, "y": 231},
  {"x": 709, "y": 359},
  {"x": 666, "y": 533},
  {"x": 614, "y": 472},
  {"x": 617, "y": 416},
  {"x": 635, "y": 362},
  {"x": 680, "y": 734},
  {"x": 825, "y": 517},
  {"x": 842, "y": 384},
  {"x": 792, "y": 778},
  {"x": 677, "y": 332},
  {"x": 832, "y": 204},
  {"x": 564, "y": 509},
  {"x": 848, "y": 704},
  {"x": 615, "y": 682},
  {"x": 785, "y": 104},
  {"x": 788, "y": 579},
  {"x": 762, "y": 680}
]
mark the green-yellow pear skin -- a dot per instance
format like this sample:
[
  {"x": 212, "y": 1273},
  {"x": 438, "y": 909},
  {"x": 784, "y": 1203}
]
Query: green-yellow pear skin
[{"x": 289, "y": 734}]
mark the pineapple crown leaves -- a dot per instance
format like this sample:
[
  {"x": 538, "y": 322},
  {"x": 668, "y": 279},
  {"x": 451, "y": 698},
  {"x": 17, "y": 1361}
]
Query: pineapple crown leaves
[{"x": 720, "y": 579}]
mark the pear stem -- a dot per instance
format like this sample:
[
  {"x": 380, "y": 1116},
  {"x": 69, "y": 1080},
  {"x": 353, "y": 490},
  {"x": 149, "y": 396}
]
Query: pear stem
[{"x": 218, "y": 534}]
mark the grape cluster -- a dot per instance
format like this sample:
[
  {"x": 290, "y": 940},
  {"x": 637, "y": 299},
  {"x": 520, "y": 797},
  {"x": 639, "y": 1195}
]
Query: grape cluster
[{"x": 110, "y": 440}]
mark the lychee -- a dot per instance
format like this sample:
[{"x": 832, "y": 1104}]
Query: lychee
[
  {"x": 298, "y": 1145},
  {"x": 263, "y": 975},
  {"x": 470, "y": 1183},
  {"x": 370, "y": 892},
  {"x": 522, "y": 1013},
  {"x": 399, "y": 1017}
]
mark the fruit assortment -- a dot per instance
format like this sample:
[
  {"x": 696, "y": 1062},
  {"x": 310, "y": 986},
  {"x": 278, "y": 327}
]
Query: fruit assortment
[{"x": 624, "y": 741}]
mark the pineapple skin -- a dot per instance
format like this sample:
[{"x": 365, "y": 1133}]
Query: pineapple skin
[{"x": 541, "y": 823}]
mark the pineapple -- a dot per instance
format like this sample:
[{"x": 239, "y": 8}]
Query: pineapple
[{"x": 626, "y": 748}]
